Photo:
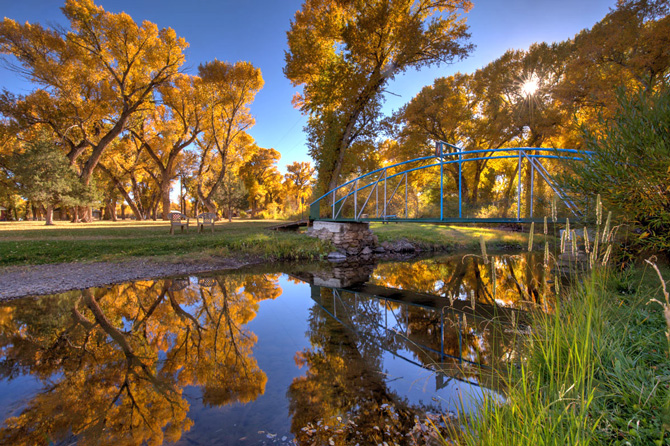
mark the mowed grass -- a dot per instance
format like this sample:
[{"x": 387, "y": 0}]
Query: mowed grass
[
  {"x": 449, "y": 237},
  {"x": 25, "y": 243},
  {"x": 33, "y": 243}
]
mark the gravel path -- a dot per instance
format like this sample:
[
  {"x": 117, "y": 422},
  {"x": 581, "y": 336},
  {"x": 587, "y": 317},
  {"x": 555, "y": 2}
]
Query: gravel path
[{"x": 17, "y": 281}]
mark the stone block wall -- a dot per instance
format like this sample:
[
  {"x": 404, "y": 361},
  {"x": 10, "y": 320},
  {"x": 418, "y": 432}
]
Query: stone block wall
[
  {"x": 344, "y": 274},
  {"x": 350, "y": 239}
]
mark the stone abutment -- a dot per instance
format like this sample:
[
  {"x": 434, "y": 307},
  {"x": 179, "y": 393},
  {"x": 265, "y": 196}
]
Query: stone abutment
[{"x": 350, "y": 238}]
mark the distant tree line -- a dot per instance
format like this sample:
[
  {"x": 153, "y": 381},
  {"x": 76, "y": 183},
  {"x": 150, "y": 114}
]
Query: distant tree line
[{"x": 117, "y": 122}]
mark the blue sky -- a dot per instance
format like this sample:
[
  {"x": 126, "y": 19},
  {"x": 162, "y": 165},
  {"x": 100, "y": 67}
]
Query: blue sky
[{"x": 255, "y": 30}]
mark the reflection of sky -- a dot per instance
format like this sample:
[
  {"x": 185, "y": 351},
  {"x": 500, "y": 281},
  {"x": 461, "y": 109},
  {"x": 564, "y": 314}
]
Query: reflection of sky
[
  {"x": 280, "y": 327},
  {"x": 419, "y": 385},
  {"x": 14, "y": 393}
]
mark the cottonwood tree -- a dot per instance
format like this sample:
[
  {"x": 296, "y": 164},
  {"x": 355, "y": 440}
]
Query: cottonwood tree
[
  {"x": 168, "y": 129},
  {"x": 628, "y": 47},
  {"x": 227, "y": 91},
  {"x": 298, "y": 179},
  {"x": 91, "y": 78},
  {"x": 261, "y": 177},
  {"x": 127, "y": 166},
  {"x": 231, "y": 194},
  {"x": 343, "y": 54}
]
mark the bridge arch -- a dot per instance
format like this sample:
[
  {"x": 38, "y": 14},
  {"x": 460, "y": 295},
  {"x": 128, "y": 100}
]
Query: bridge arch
[{"x": 384, "y": 194}]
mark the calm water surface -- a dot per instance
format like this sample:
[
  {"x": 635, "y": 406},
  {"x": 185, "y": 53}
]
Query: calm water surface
[{"x": 347, "y": 353}]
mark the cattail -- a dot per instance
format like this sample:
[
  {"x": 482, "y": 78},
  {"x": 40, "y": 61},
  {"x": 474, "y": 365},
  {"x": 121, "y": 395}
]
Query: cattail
[
  {"x": 587, "y": 248},
  {"x": 530, "y": 236},
  {"x": 493, "y": 278},
  {"x": 546, "y": 226},
  {"x": 546, "y": 254},
  {"x": 473, "y": 301},
  {"x": 513, "y": 318},
  {"x": 574, "y": 243},
  {"x": 607, "y": 254},
  {"x": 594, "y": 254},
  {"x": 607, "y": 227},
  {"x": 482, "y": 244},
  {"x": 553, "y": 209},
  {"x": 567, "y": 227},
  {"x": 599, "y": 211},
  {"x": 556, "y": 283},
  {"x": 563, "y": 237}
]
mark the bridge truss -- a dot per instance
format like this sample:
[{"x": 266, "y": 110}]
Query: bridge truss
[{"x": 384, "y": 194}]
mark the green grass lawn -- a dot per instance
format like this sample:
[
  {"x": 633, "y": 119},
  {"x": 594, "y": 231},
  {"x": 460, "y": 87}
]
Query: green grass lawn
[
  {"x": 26, "y": 243},
  {"x": 442, "y": 237}
]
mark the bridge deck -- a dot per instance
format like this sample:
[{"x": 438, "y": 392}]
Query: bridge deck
[
  {"x": 444, "y": 220},
  {"x": 290, "y": 226}
]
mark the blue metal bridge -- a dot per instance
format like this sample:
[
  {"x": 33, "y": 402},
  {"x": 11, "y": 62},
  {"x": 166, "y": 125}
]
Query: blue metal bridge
[{"x": 385, "y": 194}]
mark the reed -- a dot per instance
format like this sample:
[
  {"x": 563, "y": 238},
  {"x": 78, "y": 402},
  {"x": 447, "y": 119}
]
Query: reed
[
  {"x": 550, "y": 395},
  {"x": 593, "y": 371}
]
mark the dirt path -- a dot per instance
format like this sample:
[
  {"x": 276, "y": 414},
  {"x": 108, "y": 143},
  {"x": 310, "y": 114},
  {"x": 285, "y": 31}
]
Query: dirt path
[{"x": 17, "y": 281}]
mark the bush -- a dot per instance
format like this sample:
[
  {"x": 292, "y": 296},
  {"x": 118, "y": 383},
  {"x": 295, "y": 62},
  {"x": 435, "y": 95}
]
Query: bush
[{"x": 630, "y": 166}]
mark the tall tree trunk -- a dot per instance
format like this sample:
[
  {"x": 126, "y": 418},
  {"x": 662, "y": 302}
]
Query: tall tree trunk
[
  {"x": 207, "y": 199},
  {"x": 348, "y": 136},
  {"x": 75, "y": 215},
  {"x": 124, "y": 193},
  {"x": 133, "y": 207},
  {"x": 50, "y": 215},
  {"x": 507, "y": 195},
  {"x": 165, "y": 197}
]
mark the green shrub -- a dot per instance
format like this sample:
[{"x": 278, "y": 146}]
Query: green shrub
[{"x": 630, "y": 166}]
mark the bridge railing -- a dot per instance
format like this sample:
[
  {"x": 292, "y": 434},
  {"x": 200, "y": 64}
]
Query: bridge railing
[{"x": 384, "y": 194}]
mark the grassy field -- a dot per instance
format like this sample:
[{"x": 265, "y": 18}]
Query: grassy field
[
  {"x": 25, "y": 243},
  {"x": 34, "y": 243},
  {"x": 450, "y": 237}
]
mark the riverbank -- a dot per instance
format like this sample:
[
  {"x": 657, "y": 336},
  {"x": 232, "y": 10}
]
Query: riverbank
[
  {"x": 594, "y": 372},
  {"x": 36, "y": 259},
  {"x": 33, "y": 243}
]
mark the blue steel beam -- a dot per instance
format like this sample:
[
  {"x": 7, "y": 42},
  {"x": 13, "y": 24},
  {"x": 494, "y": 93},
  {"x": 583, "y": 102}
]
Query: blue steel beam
[
  {"x": 513, "y": 149},
  {"x": 460, "y": 158}
]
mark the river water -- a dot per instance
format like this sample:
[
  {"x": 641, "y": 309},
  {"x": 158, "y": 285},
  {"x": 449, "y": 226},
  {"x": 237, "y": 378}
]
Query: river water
[{"x": 323, "y": 354}]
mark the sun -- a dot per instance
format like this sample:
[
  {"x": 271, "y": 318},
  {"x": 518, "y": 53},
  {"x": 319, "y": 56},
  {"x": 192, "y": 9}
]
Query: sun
[{"x": 530, "y": 86}]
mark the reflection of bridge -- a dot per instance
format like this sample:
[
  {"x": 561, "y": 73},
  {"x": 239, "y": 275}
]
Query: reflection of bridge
[
  {"x": 383, "y": 194},
  {"x": 432, "y": 302},
  {"x": 386, "y": 316}
]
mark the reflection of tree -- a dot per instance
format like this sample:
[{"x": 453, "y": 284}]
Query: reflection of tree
[
  {"x": 467, "y": 340},
  {"x": 518, "y": 279},
  {"x": 114, "y": 361},
  {"x": 343, "y": 396}
]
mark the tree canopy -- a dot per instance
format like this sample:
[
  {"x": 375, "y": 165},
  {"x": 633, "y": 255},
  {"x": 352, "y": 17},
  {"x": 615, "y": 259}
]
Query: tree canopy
[{"x": 343, "y": 53}]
